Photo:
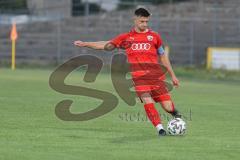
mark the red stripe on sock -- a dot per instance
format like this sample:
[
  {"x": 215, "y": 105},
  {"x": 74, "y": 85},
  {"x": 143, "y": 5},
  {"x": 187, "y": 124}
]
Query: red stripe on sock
[{"x": 152, "y": 114}]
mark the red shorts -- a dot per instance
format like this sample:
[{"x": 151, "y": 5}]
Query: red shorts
[
  {"x": 151, "y": 81},
  {"x": 157, "y": 94}
]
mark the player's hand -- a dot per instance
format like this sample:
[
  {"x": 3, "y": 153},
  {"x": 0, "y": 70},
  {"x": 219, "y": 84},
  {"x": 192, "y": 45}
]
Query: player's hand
[
  {"x": 175, "y": 81},
  {"x": 80, "y": 43}
]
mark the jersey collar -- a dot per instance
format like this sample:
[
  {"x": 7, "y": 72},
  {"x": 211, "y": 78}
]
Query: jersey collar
[{"x": 134, "y": 31}]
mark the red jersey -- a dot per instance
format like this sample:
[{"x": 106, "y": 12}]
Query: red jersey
[{"x": 142, "y": 47}]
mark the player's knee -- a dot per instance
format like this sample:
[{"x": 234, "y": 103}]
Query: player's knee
[{"x": 146, "y": 98}]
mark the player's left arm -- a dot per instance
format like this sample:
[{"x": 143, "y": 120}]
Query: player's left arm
[{"x": 164, "y": 60}]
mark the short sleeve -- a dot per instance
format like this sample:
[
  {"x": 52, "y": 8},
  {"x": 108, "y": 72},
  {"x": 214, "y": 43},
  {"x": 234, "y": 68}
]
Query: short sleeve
[
  {"x": 159, "y": 41},
  {"x": 119, "y": 39},
  {"x": 160, "y": 49}
]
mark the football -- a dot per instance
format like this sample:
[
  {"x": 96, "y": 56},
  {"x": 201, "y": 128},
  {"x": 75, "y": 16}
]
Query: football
[{"x": 176, "y": 126}]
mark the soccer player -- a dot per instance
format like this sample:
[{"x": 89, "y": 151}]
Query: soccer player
[{"x": 145, "y": 46}]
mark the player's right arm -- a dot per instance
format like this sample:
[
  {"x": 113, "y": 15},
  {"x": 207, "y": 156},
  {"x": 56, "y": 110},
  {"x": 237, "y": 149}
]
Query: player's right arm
[
  {"x": 103, "y": 45},
  {"x": 99, "y": 45}
]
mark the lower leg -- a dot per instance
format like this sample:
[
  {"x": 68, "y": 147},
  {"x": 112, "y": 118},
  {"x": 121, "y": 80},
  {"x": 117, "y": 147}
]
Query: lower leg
[
  {"x": 169, "y": 107},
  {"x": 152, "y": 113}
]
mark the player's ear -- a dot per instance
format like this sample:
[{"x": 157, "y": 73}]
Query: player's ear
[{"x": 134, "y": 18}]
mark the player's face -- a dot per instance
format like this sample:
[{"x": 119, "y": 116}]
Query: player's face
[{"x": 141, "y": 23}]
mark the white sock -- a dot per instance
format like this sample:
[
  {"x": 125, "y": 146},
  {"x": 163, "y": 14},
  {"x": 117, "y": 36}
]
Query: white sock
[{"x": 159, "y": 127}]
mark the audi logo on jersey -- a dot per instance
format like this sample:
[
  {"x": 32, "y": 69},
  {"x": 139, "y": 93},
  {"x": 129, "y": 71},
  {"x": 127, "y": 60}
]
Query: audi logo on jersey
[{"x": 141, "y": 46}]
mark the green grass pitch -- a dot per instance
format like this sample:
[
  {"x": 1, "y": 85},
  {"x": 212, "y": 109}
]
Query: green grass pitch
[{"x": 30, "y": 130}]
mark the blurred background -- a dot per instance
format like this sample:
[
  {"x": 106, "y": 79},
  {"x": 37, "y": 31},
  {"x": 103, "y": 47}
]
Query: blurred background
[
  {"x": 203, "y": 37},
  {"x": 47, "y": 28}
]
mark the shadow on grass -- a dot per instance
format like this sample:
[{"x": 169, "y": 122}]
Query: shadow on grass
[{"x": 127, "y": 139}]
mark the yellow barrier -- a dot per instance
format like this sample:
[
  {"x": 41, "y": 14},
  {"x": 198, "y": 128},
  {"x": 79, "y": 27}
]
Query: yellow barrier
[{"x": 218, "y": 50}]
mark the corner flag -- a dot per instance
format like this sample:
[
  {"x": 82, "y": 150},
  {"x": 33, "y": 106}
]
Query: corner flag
[{"x": 13, "y": 37}]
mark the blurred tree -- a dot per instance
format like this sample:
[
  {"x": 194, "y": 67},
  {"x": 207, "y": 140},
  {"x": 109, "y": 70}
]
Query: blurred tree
[
  {"x": 79, "y": 7},
  {"x": 125, "y": 4},
  {"x": 13, "y": 6}
]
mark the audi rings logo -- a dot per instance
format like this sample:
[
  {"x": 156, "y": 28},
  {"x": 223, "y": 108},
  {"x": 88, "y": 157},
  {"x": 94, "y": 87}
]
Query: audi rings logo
[{"x": 141, "y": 46}]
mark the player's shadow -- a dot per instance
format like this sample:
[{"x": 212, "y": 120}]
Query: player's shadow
[
  {"x": 146, "y": 137},
  {"x": 127, "y": 139},
  {"x": 115, "y": 140}
]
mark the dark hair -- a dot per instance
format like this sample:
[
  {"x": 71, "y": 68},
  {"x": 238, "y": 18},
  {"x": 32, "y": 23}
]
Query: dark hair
[{"x": 142, "y": 12}]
